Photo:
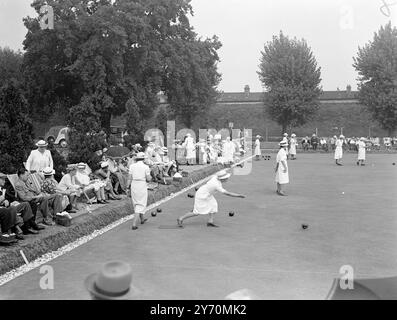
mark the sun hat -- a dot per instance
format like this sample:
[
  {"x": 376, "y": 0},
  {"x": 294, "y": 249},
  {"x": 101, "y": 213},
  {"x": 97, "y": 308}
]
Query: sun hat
[
  {"x": 41, "y": 143},
  {"x": 293, "y": 135},
  {"x": 140, "y": 155},
  {"x": 48, "y": 171},
  {"x": 223, "y": 174},
  {"x": 112, "y": 282},
  {"x": 285, "y": 134},
  {"x": 71, "y": 167},
  {"x": 283, "y": 143},
  {"x": 81, "y": 165},
  {"x": 104, "y": 164}
]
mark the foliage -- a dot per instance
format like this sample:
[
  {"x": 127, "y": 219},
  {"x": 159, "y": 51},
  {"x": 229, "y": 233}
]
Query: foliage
[
  {"x": 289, "y": 72},
  {"x": 376, "y": 64},
  {"x": 16, "y": 129},
  {"x": 10, "y": 65}
]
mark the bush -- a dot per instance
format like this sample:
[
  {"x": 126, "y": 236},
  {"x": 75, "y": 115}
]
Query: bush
[{"x": 16, "y": 129}]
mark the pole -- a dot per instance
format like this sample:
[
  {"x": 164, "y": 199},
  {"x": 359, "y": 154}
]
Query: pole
[{"x": 266, "y": 134}]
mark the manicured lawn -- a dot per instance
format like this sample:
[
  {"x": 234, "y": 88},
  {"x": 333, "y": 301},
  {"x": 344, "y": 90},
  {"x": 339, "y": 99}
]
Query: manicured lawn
[{"x": 262, "y": 248}]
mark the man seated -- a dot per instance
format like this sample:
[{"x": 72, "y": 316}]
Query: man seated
[
  {"x": 83, "y": 180},
  {"x": 35, "y": 199},
  {"x": 57, "y": 199},
  {"x": 104, "y": 175},
  {"x": 22, "y": 209},
  {"x": 68, "y": 186}
]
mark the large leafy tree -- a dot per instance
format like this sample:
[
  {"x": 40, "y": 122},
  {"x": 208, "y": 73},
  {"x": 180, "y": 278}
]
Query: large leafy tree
[
  {"x": 191, "y": 76},
  {"x": 10, "y": 65},
  {"x": 376, "y": 64},
  {"x": 289, "y": 72},
  {"x": 100, "y": 55},
  {"x": 16, "y": 129}
]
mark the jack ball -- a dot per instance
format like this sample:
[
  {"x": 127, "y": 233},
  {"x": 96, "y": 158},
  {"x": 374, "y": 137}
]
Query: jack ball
[
  {"x": 159, "y": 210},
  {"x": 305, "y": 226},
  {"x": 154, "y": 214},
  {"x": 231, "y": 213}
]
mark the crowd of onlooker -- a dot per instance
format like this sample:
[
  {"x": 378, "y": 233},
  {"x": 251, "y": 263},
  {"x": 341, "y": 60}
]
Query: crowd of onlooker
[
  {"x": 327, "y": 144},
  {"x": 54, "y": 188}
]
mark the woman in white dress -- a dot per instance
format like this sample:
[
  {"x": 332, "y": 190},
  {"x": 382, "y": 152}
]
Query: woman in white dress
[
  {"x": 205, "y": 202},
  {"x": 339, "y": 150},
  {"x": 361, "y": 151},
  {"x": 190, "y": 149},
  {"x": 292, "y": 149},
  {"x": 139, "y": 177},
  {"x": 258, "y": 148},
  {"x": 282, "y": 174}
]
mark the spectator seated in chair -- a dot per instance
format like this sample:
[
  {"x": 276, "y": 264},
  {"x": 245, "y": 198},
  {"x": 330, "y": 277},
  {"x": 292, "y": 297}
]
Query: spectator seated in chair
[
  {"x": 68, "y": 186},
  {"x": 50, "y": 187},
  {"x": 87, "y": 183},
  {"x": 23, "y": 209},
  {"x": 104, "y": 175},
  {"x": 36, "y": 199}
]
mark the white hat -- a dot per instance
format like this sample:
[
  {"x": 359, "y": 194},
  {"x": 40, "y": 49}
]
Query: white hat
[
  {"x": 188, "y": 135},
  {"x": 81, "y": 165},
  {"x": 41, "y": 143},
  {"x": 258, "y": 136},
  {"x": 140, "y": 155},
  {"x": 283, "y": 143},
  {"x": 362, "y": 139},
  {"x": 223, "y": 174},
  {"x": 285, "y": 134},
  {"x": 293, "y": 135},
  {"x": 341, "y": 136},
  {"x": 104, "y": 150},
  {"x": 48, "y": 171},
  {"x": 104, "y": 164}
]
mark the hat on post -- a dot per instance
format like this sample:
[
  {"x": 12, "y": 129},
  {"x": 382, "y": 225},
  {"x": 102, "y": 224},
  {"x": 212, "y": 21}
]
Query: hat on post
[
  {"x": 112, "y": 282},
  {"x": 41, "y": 144},
  {"x": 223, "y": 174}
]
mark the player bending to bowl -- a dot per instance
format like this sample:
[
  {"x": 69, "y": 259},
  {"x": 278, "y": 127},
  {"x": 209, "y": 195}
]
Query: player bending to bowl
[{"x": 205, "y": 202}]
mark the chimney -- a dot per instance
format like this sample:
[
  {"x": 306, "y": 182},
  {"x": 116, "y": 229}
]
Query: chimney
[{"x": 247, "y": 89}]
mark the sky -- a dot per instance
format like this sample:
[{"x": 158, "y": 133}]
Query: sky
[{"x": 334, "y": 29}]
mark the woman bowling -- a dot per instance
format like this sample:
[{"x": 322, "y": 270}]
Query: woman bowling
[{"x": 205, "y": 202}]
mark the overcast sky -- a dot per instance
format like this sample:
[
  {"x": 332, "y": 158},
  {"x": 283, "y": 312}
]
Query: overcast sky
[{"x": 333, "y": 29}]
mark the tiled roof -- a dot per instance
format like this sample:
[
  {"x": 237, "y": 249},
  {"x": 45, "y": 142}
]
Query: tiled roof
[{"x": 258, "y": 96}]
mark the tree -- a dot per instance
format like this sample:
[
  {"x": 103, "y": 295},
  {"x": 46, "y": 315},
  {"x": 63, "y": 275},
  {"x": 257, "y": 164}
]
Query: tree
[
  {"x": 15, "y": 128},
  {"x": 134, "y": 123},
  {"x": 191, "y": 77},
  {"x": 289, "y": 72},
  {"x": 376, "y": 64},
  {"x": 10, "y": 65},
  {"x": 161, "y": 120}
]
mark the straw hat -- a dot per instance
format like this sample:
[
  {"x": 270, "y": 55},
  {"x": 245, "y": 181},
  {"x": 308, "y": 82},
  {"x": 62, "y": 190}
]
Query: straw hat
[
  {"x": 140, "y": 156},
  {"x": 223, "y": 175},
  {"x": 104, "y": 164},
  {"x": 41, "y": 143},
  {"x": 81, "y": 165},
  {"x": 112, "y": 282},
  {"x": 48, "y": 171}
]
